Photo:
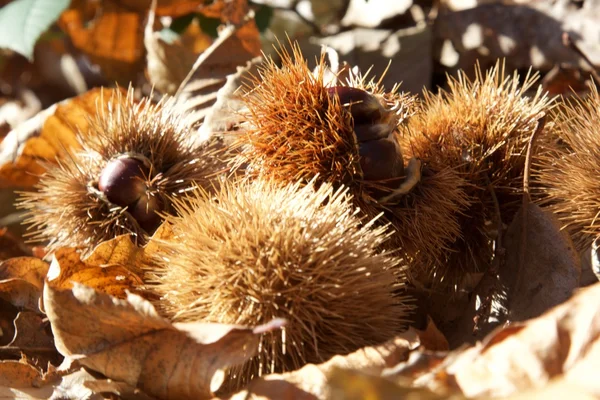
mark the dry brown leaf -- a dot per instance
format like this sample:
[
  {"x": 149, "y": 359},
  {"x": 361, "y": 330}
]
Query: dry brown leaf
[
  {"x": 111, "y": 32},
  {"x": 22, "y": 280},
  {"x": 126, "y": 340},
  {"x": 170, "y": 61},
  {"x": 563, "y": 342},
  {"x": 73, "y": 386},
  {"x": 117, "y": 251},
  {"x": 355, "y": 385},
  {"x": 226, "y": 113},
  {"x": 172, "y": 8},
  {"x": 11, "y": 246},
  {"x": 310, "y": 382},
  {"x": 30, "y": 269},
  {"x": 431, "y": 338},
  {"x": 32, "y": 337},
  {"x": 558, "y": 389},
  {"x": 237, "y": 44},
  {"x": 112, "y": 38},
  {"x": 22, "y": 149},
  {"x": 121, "y": 251},
  {"x": 46, "y": 137},
  {"x": 121, "y": 389},
  {"x": 8, "y": 313},
  {"x": 229, "y": 11},
  {"x": 551, "y": 270},
  {"x": 18, "y": 374},
  {"x": 30, "y": 332},
  {"x": 100, "y": 273}
]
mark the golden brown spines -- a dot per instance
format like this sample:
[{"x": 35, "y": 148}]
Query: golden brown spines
[
  {"x": 259, "y": 251},
  {"x": 479, "y": 128},
  {"x": 298, "y": 128},
  {"x": 567, "y": 170},
  {"x": 70, "y": 208}
]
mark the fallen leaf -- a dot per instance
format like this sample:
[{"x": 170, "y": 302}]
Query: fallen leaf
[
  {"x": 22, "y": 280},
  {"x": 11, "y": 246},
  {"x": 117, "y": 251},
  {"x": 73, "y": 386},
  {"x": 8, "y": 313},
  {"x": 22, "y": 149},
  {"x": 170, "y": 59},
  {"x": 172, "y": 8},
  {"x": 310, "y": 381},
  {"x": 562, "y": 342},
  {"x": 431, "y": 338},
  {"x": 18, "y": 374},
  {"x": 355, "y": 385},
  {"x": 29, "y": 269},
  {"x": 111, "y": 37},
  {"x": 67, "y": 268},
  {"x": 46, "y": 137},
  {"x": 225, "y": 115},
  {"x": 558, "y": 389},
  {"x": 121, "y": 389},
  {"x": 551, "y": 267},
  {"x": 33, "y": 339},
  {"x": 126, "y": 340},
  {"x": 30, "y": 332},
  {"x": 235, "y": 46}
]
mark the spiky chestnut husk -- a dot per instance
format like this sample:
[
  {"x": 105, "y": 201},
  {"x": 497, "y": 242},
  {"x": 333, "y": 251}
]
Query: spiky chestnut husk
[
  {"x": 480, "y": 128},
  {"x": 136, "y": 157},
  {"x": 258, "y": 251},
  {"x": 299, "y": 128},
  {"x": 567, "y": 169}
]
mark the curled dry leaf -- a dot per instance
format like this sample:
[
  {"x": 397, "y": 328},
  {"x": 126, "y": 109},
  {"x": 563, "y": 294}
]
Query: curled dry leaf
[
  {"x": 355, "y": 385},
  {"x": 46, "y": 137},
  {"x": 118, "y": 251},
  {"x": 169, "y": 60},
  {"x": 564, "y": 342},
  {"x": 19, "y": 374},
  {"x": 97, "y": 271},
  {"x": 310, "y": 382},
  {"x": 113, "y": 38},
  {"x": 126, "y": 340},
  {"x": 121, "y": 251},
  {"x": 226, "y": 115},
  {"x": 30, "y": 332},
  {"x": 236, "y": 45},
  {"x": 22, "y": 280},
  {"x": 32, "y": 338}
]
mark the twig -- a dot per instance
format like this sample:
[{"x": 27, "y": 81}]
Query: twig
[{"x": 569, "y": 43}]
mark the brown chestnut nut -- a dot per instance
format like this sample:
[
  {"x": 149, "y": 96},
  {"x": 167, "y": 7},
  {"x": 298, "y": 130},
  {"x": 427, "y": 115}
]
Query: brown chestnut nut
[
  {"x": 122, "y": 181},
  {"x": 145, "y": 211},
  {"x": 364, "y": 107},
  {"x": 381, "y": 159}
]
